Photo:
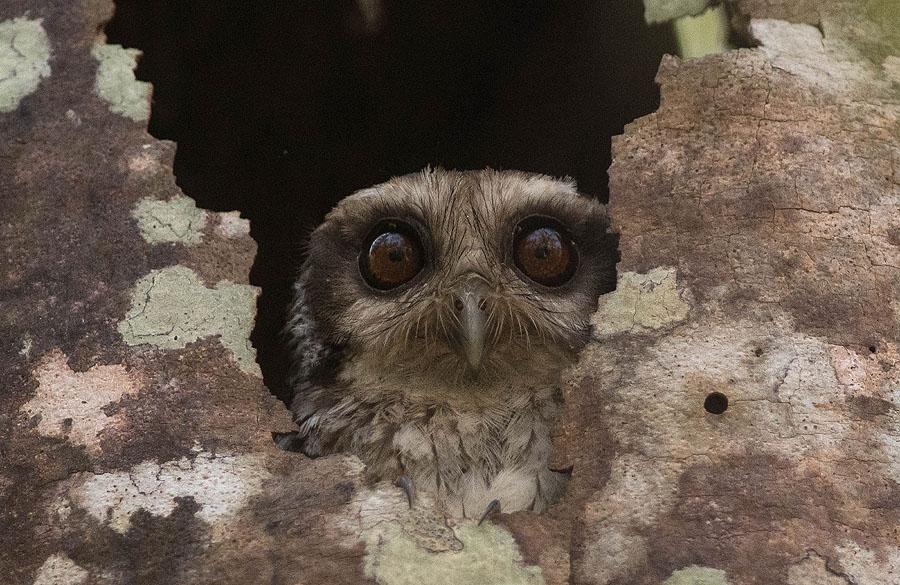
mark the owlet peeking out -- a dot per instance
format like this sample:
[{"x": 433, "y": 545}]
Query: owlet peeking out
[{"x": 431, "y": 321}]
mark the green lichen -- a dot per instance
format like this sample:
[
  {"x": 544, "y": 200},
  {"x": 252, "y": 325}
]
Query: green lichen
[
  {"x": 704, "y": 34},
  {"x": 641, "y": 302},
  {"x": 116, "y": 84},
  {"x": 665, "y": 10},
  {"x": 171, "y": 308},
  {"x": 489, "y": 556},
  {"x": 695, "y": 575},
  {"x": 175, "y": 220},
  {"x": 24, "y": 60}
]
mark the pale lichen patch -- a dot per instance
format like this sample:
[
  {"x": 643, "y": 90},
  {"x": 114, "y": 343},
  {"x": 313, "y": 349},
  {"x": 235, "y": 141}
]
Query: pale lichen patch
[
  {"x": 116, "y": 83},
  {"x": 174, "y": 220},
  {"x": 641, "y": 302},
  {"x": 171, "y": 307},
  {"x": 220, "y": 483},
  {"x": 232, "y": 226},
  {"x": 59, "y": 569},
  {"x": 417, "y": 545},
  {"x": 373, "y": 510},
  {"x": 696, "y": 575},
  {"x": 70, "y": 404},
  {"x": 24, "y": 60},
  {"x": 489, "y": 555}
]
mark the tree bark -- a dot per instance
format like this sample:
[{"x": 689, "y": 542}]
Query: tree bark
[{"x": 736, "y": 418}]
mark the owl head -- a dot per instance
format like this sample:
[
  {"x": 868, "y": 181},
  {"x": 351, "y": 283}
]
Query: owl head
[{"x": 461, "y": 273}]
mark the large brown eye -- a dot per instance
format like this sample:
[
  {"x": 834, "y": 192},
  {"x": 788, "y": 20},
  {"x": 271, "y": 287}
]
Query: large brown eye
[
  {"x": 392, "y": 257},
  {"x": 544, "y": 252}
]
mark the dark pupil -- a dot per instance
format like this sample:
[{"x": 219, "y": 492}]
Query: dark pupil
[
  {"x": 393, "y": 258},
  {"x": 545, "y": 256},
  {"x": 546, "y": 245}
]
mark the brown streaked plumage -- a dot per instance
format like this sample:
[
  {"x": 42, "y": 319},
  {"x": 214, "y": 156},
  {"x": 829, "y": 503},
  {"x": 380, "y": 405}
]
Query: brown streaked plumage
[{"x": 450, "y": 378}]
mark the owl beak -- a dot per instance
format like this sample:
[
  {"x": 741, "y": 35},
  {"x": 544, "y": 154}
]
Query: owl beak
[{"x": 472, "y": 314}]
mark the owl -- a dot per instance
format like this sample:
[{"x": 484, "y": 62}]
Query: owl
[{"x": 430, "y": 324}]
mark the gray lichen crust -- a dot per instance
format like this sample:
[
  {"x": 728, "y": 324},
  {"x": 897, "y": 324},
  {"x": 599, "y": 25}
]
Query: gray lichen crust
[
  {"x": 24, "y": 60},
  {"x": 115, "y": 82},
  {"x": 171, "y": 307},
  {"x": 174, "y": 220}
]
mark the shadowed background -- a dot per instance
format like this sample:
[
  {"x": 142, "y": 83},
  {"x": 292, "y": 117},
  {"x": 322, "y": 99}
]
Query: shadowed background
[{"x": 281, "y": 109}]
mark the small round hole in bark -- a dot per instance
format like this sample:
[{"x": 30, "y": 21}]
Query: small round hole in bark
[
  {"x": 873, "y": 349},
  {"x": 758, "y": 352},
  {"x": 715, "y": 403}
]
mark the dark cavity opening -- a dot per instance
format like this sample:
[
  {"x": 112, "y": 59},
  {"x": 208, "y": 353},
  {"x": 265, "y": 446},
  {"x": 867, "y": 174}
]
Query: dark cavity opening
[
  {"x": 288, "y": 441},
  {"x": 715, "y": 403},
  {"x": 280, "y": 111}
]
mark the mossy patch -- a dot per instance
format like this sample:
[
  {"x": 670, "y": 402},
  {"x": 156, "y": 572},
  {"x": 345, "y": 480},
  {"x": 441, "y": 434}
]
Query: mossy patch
[
  {"x": 171, "y": 307},
  {"x": 174, "y": 220},
  {"x": 24, "y": 60},
  {"x": 117, "y": 85},
  {"x": 489, "y": 555}
]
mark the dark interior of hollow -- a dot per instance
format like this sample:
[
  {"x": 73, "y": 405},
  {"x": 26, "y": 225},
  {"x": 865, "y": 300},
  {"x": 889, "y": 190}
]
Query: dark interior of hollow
[{"x": 281, "y": 110}]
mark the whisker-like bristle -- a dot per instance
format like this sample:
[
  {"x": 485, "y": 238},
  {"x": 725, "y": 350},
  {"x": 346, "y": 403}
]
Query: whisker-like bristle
[{"x": 523, "y": 331}]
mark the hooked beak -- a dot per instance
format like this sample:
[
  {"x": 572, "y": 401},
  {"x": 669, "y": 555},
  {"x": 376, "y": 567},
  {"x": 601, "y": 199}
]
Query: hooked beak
[{"x": 472, "y": 315}]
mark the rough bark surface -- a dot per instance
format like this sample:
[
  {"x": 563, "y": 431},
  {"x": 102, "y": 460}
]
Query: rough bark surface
[
  {"x": 759, "y": 212},
  {"x": 135, "y": 441}
]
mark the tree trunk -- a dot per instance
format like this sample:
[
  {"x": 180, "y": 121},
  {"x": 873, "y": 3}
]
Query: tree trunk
[{"x": 735, "y": 420}]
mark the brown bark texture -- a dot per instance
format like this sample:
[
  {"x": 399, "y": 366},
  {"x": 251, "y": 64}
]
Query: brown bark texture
[{"x": 759, "y": 213}]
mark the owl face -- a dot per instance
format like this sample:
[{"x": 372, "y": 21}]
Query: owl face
[{"x": 462, "y": 273}]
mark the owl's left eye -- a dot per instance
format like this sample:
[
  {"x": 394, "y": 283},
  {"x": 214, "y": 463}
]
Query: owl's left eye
[
  {"x": 392, "y": 256},
  {"x": 544, "y": 252}
]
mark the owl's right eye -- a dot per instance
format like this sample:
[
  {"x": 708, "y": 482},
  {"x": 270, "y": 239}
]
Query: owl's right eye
[{"x": 392, "y": 256}]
